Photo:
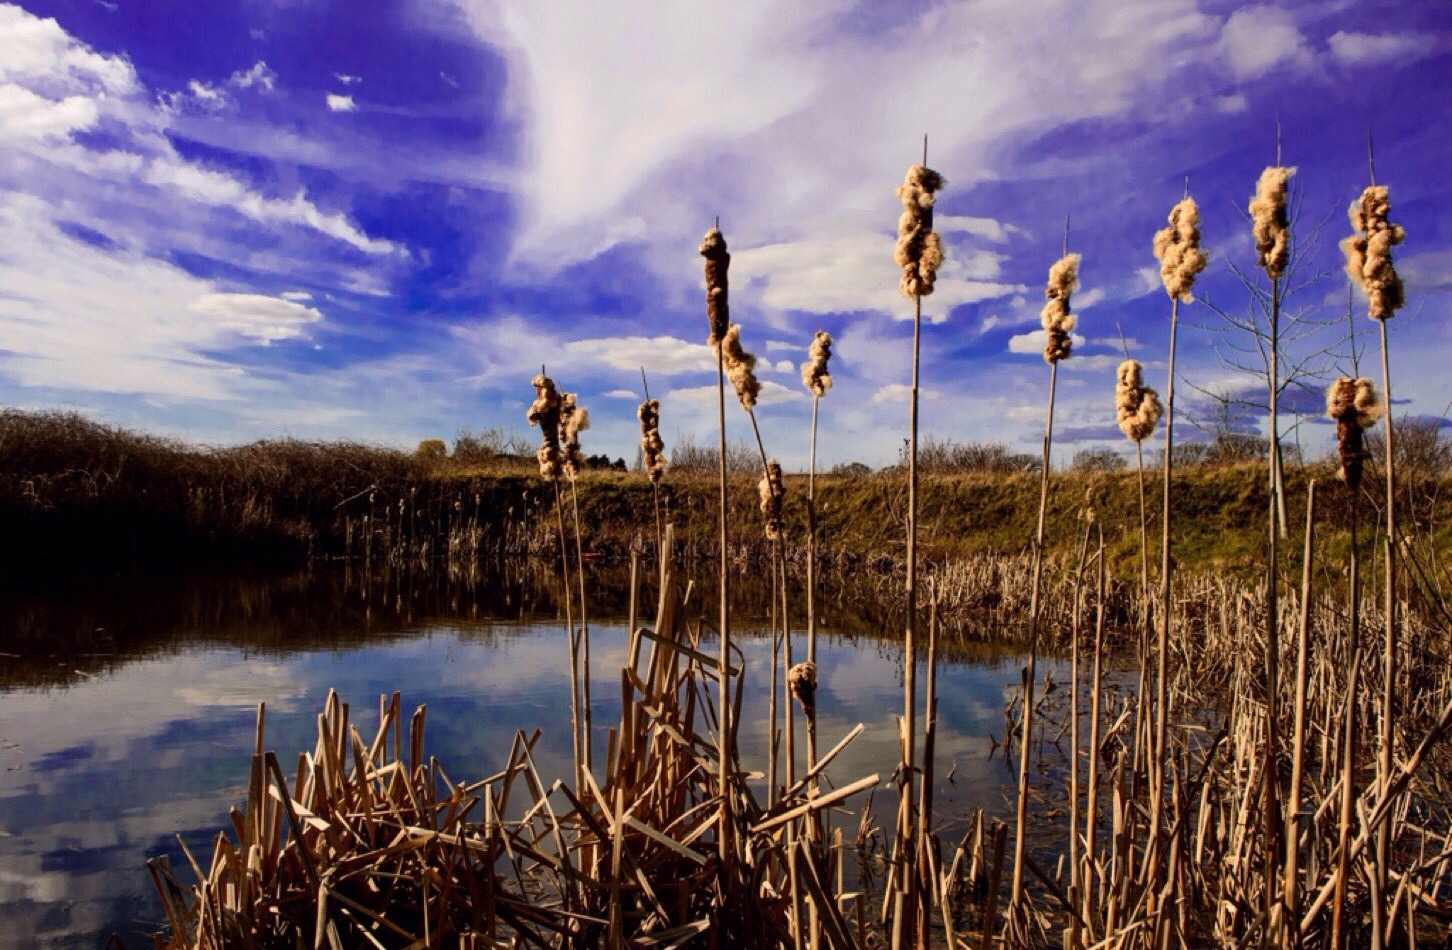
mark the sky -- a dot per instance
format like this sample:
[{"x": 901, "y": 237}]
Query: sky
[{"x": 375, "y": 219}]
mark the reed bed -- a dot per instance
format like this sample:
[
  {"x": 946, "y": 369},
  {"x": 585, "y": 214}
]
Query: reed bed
[{"x": 1256, "y": 795}]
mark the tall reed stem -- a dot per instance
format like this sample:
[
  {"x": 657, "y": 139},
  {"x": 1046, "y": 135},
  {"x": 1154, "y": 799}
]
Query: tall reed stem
[
  {"x": 1271, "y": 771},
  {"x": 1162, "y": 692},
  {"x": 1026, "y": 734},
  {"x": 586, "y": 726},
  {"x": 573, "y": 637},
  {"x": 812, "y": 572},
  {"x": 723, "y": 777},
  {"x": 1298, "y": 740},
  {"x": 1389, "y": 645}
]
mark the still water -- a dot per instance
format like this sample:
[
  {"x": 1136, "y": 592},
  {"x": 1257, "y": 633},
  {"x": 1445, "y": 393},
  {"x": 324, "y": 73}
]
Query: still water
[{"x": 128, "y": 708}]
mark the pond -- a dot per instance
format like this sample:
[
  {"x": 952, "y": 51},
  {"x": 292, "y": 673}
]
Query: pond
[{"x": 128, "y": 707}]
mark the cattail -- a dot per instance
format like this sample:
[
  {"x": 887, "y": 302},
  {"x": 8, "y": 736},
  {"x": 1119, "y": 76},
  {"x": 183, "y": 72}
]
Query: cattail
[
  {"x": 1137, "y": 406},
  {"x": 919, "y": 252},
  {"x": 718, "y": 261},
  {"x": 814, "y": 370},
  {"x": 1177, "y": 248},
  {"x": 1368, "y": 252},
  {"x": 1354, "y": 406},
  {"x": 1269, "y": 223},
  {"x": 772, "y": 491},
  {"x": 545, "y": 412},
  {"x": 740, "y": 366},
  {"x": 1057, "y": 320},
  {"x": 652, "y": 447},
  {"x": 574, "y": 419},
  {"x": 802, "y": 681}
]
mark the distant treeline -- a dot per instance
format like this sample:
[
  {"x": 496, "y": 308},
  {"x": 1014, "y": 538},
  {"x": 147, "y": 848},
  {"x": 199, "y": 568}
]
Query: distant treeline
[{"x": 75, "y": 493}]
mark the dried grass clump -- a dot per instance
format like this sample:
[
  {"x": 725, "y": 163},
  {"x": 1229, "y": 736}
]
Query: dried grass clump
[
  {"x": 545, "y": 412},
  {"x": 1177, "y": 248},
  {"x": 772, "y": 492},
  {"x": 574, "y": 419},
  {"x": 1137, "y": 406},
  {"x": 802, "y": 681},
  {"x": 652, "y": 447},
  {"x": 1368, "y": 252},
  {"x": 1269, "y": 223},
  {"x": 814, "y": 371},
  {"x": 740, "y": 366},
  {"x": 1057, "y": 320},
  {"x": 718, "y": 261},
  {"x": 1354, "y": 406},
  {"x": 919, "y": 252}
]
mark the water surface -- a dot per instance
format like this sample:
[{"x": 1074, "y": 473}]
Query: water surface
[{"x": 128, "y": 708}]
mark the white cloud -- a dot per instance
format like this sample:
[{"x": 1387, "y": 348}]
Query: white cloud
[
  {"x": 36, "y": 50},
  {"x": 1089, "y": 298},
  {"x": 337, "y": 103},
  {"x": 347, "y": 80},
  {"x": 986, "y": 228},
  {"x": 256, "y": 316},
  {"x": 621, "y": 394},
  {"x": 1362, "y": 49},
  {"x": 902, "y": 393},
  {"x": 661, "y": 355},
  {"x": 1256, "y": 40},
  {"x": 847, "y": 272},
  {"x": 705, "y": 397},
  {"x": 259, "y": 76},
  {"x": 23, "y": 114},
  {"x": 1033, "y": 342},
  {"x": 299, "y": 295}
]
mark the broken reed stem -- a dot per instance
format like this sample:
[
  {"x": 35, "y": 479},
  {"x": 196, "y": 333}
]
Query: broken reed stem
[
  {"x": 1091, "y": 810},
  {"x": 1389, "y": 646},
  {"x": 1075, "y": 931},
  {"x": 587, "y": 722},
  {"x": 1026, "y": 735},
  {"x": 1298, "y": 741},
  {"x": 573, "y": 637}
]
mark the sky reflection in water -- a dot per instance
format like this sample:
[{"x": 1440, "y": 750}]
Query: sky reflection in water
[{"x": 106, "y": 757}]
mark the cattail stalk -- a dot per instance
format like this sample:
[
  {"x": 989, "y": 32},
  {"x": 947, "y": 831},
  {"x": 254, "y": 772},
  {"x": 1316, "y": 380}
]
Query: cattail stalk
[
  {"x": 817, "y": 381},
  {"x": 1177, "y": 248},
  {"x": 718, "y": 260},
  {"x": 918, "y": 254},
  {"x": 574, "y": 420},
  {"x": 1058, "y": 323},
  {"x": 1298, "y": 737},
  {"x": 1369, "y": 263}
]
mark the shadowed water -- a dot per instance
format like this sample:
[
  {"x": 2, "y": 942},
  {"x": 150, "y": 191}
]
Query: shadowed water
[{"x": 128, "y": 708}]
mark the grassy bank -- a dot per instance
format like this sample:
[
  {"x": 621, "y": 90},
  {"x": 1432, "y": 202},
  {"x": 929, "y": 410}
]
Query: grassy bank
[{"x": 77, "y": 493}]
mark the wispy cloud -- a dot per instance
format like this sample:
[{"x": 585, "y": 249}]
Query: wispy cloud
[{"x": 340, "y": 103}]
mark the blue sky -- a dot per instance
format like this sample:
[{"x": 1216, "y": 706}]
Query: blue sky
[{"x": 374, "y": 220}]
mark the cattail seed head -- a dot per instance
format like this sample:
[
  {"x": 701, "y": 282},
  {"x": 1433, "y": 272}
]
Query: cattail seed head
[
  {"x": 1056, "y": 318},
  {"x": 652, "y": 447},
  {"x": 718, "y": 261},
  {"x": 545, "y": 412},
  {"x": 802, "y": 681},
  {"x": 814, "y": 370},
  {"x": 740, "y": 366},
  {"x": 772, "y": 491},
  {"x": 919, "y": 252},
  {"x": 574, "y": 419},
  {"x": 1136, "y": 405},
  {"x": 1353, "y": 405},
  {"x": 1269, "y": 224},
  {"x": 1368, "y": 252},
  {"x": 1177, "y": 248}
]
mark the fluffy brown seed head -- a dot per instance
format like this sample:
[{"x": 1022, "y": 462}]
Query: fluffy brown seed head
[
  {"x": 718, "y": 261},
  {"x": 545, "y": 412},
  {"x": 1177, "y": 248},
  {"x": 1056, "y": 317},
  {"x": 814, "y": 370},
  {"x": 919, "y": 252},
  {"x": 802, "y": 681},
  {"x": 1354, "y": 406},
  {"x": 772, "y": 491},
  {"x": 1368, "y": 252},
  {"x": 1137, "y": 406},
  {"x": 1269, "y": 223},
  {"x": 652, "y": 447},
  {"x": 574, "y": 419},
  {"x": 740, "y": 366}
]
